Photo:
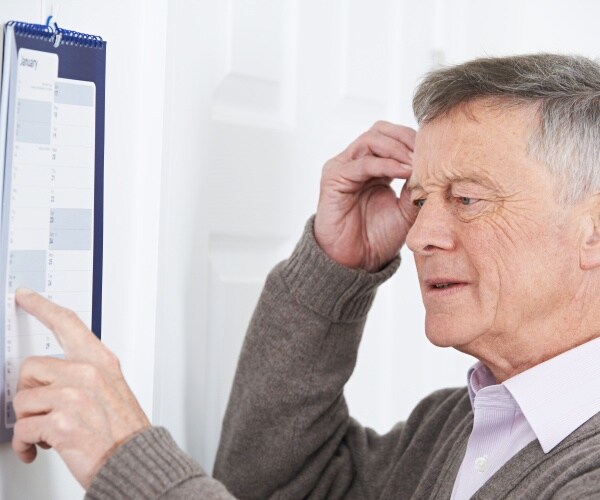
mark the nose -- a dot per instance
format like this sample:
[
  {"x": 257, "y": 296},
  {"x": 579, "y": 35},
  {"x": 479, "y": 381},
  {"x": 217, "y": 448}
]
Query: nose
[{"x": 432, "y": 230}]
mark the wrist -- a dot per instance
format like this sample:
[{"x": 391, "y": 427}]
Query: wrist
[{"x": 327, "y": 287}]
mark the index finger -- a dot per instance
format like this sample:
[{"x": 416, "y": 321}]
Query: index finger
[
  {"x": 74, "y": 337},
  {"x": 406, "y": 135}
]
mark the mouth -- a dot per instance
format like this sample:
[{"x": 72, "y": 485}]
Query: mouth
[{"x": 444, "y": 286}]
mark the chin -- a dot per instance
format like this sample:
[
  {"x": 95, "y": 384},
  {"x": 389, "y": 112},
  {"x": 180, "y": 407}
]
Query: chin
[{"x": 445, "y": 331}]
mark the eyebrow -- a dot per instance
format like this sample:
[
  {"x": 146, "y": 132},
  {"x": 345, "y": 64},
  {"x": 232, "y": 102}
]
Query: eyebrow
[{"x": 482, "y": 180}]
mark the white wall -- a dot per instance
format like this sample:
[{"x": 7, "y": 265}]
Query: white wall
[
  {"x": 136, "y": 35},
  {"x": 219, "y": 118}
]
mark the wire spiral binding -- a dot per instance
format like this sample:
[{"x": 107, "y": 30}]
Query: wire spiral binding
[{"x": 51, "y": 34}]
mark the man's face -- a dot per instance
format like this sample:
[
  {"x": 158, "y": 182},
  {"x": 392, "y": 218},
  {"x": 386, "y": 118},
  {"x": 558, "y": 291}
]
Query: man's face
[{"x": 496, "y": 254}]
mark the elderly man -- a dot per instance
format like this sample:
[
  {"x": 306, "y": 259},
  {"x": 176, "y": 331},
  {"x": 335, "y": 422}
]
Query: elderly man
[{"x": 502, "y": 213}]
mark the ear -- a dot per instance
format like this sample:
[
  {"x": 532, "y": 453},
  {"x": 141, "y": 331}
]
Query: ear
[{"x": 589, "y": 248}]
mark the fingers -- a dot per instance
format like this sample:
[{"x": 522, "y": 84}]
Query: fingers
[
  {"x": 371, "y": 167},
  {"x": 72, "y": 334},
  {"x": 42, "y": 371},
  {"x": 399, "y": 132},
  {"x": 385, "y": 140},
  {"x": 385, "y": 151},
  {"x": 39, "y": 370},
  {"x": 36, "y": 401},
  {"x": 81, "y": 405},
  {"x": 33, "y": 408},
  {"x": 27, "y": 433}
]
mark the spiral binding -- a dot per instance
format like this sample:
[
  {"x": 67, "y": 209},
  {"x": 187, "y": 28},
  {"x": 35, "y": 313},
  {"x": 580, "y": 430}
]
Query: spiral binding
[{"x": 56, "y": 34}]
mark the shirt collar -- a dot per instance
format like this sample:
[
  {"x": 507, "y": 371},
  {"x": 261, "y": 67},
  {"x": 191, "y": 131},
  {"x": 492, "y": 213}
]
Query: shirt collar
[
  {"x": 479, "y": 376},
  {"x": 556, "y": 396},
  {"x": 561, "y": 394}
]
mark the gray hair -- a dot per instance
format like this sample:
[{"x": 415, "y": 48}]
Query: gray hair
[{"x": 566, "y": 90}]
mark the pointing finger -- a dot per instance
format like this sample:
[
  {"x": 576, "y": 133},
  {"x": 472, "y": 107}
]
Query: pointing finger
[{"x": 72, "y": 334}]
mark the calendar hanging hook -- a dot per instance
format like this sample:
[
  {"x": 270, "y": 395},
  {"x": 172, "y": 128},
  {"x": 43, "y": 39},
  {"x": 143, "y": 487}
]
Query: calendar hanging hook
[{"x": 51, "y": 23}]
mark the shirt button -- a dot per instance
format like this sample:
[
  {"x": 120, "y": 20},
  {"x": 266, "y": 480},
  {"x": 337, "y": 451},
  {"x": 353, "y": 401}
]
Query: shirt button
[{"x": 481, "y": 464}]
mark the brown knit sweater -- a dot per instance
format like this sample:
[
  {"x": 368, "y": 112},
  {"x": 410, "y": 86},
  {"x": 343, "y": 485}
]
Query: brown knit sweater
[{"x": 287, "y": 433}]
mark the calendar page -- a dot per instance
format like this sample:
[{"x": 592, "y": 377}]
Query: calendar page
[{"x": 48, "y": 205}]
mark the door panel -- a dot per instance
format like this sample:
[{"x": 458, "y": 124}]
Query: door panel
[{"x": 260, "y": 94}]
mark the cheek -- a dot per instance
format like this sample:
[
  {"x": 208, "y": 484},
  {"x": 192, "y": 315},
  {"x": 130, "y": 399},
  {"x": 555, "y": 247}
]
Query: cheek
[
  {"x": 501, "y": 256},
  {"x": 509, "y": 242},
  {"x": 521, "y": 266}
]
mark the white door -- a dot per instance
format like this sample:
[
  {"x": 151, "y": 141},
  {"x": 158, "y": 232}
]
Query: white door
[{"x": 260, "y": 93}]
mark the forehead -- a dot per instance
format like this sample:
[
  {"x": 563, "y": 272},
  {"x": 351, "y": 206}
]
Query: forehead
[{"x": 478, "y": 143}]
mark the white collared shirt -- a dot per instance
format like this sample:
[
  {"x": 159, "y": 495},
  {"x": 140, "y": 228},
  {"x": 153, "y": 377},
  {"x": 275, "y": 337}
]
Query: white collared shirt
[{"x": 547, "y": 402}]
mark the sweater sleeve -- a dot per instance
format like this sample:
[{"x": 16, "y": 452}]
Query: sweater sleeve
[
  {"x": 287, "y": 432},
  {"x": 150, "y": 465}
]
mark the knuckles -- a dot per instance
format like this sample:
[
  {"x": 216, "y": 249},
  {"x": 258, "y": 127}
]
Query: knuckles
[
  {"x": 72, "y": 396},
  {"x": 379, "y": 124},
  {"x": 90, "y": 374},
  {"x": 61, "y": 423},
  {"x": 111, "y": 361},
  {"x": 18, "y": 429},
  {"x": 19, "y": 401},
  {"x": 30, "y": 366},
  {"x": 62, "y": 316},
  {"x": 27, "y": 366}
]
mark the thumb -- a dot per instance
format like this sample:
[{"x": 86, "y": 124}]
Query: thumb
[{"x": 407, "y": 208}]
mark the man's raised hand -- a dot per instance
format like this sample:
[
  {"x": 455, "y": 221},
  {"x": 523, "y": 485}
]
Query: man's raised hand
[
  {"x": 360, "y": 221},
  {"x": 80, "y": 405}
]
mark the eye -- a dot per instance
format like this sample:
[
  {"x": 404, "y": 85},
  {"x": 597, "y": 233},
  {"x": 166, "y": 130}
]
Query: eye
[
  {"x": 419, "y": 203},
  {"x": 465, "y": 200}
]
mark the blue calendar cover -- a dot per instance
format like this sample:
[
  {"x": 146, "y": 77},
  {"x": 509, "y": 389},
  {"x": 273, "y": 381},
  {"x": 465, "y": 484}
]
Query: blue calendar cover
[{"x": 51, "y": 220}]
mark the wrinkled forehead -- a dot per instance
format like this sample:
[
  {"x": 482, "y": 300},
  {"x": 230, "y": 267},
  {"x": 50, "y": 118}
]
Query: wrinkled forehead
[{"x": 478, "y": 142}]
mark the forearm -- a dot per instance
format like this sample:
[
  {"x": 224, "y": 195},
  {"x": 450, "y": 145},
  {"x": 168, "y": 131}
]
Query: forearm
[
  {"x": 151, "y": 466},
  {"x": 287, "y": 417}
]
